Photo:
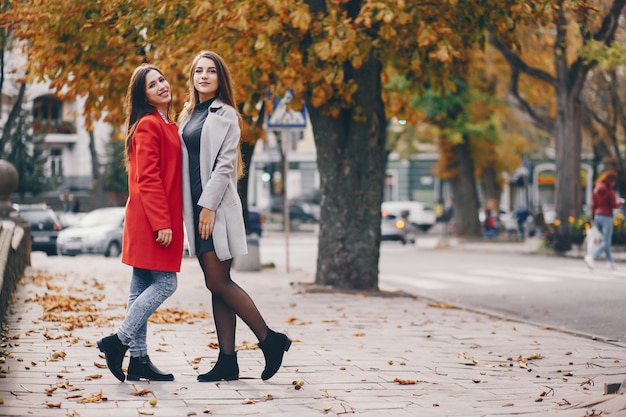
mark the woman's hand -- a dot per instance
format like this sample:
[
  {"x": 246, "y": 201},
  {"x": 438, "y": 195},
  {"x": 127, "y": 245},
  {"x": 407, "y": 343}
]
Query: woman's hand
[
  {"x": 164, "y": 237},
  {"x": 207, "y": 221}
]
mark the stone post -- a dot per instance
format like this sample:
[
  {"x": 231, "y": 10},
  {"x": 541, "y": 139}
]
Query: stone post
[{"x": 8, "y": 183}]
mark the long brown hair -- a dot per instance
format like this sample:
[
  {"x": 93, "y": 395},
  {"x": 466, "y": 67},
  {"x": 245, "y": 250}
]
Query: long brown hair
[
  {"x": 136, "y": 104},
  {"x": 225, "y": 93}
]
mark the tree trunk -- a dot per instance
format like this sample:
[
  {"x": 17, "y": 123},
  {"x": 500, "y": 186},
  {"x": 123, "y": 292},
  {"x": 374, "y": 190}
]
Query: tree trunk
[
  {"x": 242, "y": 185},
  {"x": 98, "y": 187},
  {"x": 491, "y": 187},
  {"x": 567, "y": 138},
  {"x": 465, "y": 201},
  {"x": 13, "y": 115},
  {"x": 351, "y": 162}
]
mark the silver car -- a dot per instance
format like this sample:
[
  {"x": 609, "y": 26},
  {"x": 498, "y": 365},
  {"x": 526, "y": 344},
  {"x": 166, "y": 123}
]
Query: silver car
[{"x": 100, "y": 232}]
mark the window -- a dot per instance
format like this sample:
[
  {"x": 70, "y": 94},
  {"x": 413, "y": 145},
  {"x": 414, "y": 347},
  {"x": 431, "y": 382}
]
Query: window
[
  {"x": 56, "y": 162},
  {"x": 47, "y": 108},
  {"x": 48, "y": 115}
]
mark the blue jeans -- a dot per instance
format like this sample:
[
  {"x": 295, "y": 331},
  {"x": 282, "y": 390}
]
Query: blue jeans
[
  {"x": 148, "y": 290},
  {"x": 605, "y": 226}
]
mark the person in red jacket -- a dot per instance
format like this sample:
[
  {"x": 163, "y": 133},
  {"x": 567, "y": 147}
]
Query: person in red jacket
[
  {"x": 603, "y": 204},
  {"x": 153, "y": 228}
]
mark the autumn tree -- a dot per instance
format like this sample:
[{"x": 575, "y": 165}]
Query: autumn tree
[
  {"x": 558, "y": 31},
  {"x": 27, "y": 157},
  {"x": 336, "y": 56}
]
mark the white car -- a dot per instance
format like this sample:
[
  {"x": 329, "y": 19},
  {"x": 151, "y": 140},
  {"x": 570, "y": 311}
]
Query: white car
[
  {"x": 421, "y": 215},
  {"x": 100, "y": 231}
]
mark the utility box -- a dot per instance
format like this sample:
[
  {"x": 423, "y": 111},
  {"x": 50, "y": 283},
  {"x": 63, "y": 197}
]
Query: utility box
[{"x": 252, "y": 260}]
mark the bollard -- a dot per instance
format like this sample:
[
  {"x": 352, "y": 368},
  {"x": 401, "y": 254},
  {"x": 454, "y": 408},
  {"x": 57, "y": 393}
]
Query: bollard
[{"x": 252, "y": 260}]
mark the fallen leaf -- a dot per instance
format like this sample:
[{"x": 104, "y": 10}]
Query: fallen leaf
[
  {"x": 442, "y": 305},
  {"x": 249, "y": 401},
  {"x": 141, "y": 392},
  {"x": 404, "y": 381},
  {"x": 92, "y": 377},
  {"x": 100, "y": 365},
  {"x": 53, "y": 405},
  {"x": 50, "y": 390},
  {"x": 146, "y": 412},
  {"x": 58, "y": 354},
  {"x": 153, "y": 401},
  {"x": 96, "y": 398}
]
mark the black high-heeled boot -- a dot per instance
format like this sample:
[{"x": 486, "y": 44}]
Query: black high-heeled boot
[
  {"x": 142, "y": 367},
  {"x": 274, "y": 347},
  {"x": 114, "y": 351},
  {"x": 226, "y": 369}
]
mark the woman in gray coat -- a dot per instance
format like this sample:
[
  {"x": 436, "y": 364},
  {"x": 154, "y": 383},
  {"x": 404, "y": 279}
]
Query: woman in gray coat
[{"x": 210, "y": 133}]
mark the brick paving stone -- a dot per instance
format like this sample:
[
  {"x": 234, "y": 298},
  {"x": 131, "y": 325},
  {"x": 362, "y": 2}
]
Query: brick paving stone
[{"x": 348, "y": 349}]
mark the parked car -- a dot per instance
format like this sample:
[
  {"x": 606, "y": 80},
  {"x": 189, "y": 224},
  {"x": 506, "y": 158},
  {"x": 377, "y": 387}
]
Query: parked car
[
  {"x": 298, "y": 211},
  {"x": 99, "y": 232},
  {"x": 69, "y": 218},
  {"x": 44, "y": 226},
  {"x": 419, "y": 214},
  {"x": 394, "y": 228},
  {"x": 256, "y": 220}
]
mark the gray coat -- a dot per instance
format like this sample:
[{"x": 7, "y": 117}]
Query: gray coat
[{"x": 219, "y": 142}]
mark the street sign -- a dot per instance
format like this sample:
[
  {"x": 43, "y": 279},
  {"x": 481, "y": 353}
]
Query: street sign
[{"x": 282, "y": 117}]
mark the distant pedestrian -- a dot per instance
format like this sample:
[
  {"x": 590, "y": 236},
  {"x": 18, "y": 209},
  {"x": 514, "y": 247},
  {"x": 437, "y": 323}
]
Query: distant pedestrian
[
  {"x": 76, "y": 205},
  {"x": 491, "y": 220},
  {"x": 210, "y": 130},
  {"x": 521, "y": 216},
  {"x": 603, "y": 204},
  {"x": 66, "y": 199},
  {"x": 153, "y": 229}
]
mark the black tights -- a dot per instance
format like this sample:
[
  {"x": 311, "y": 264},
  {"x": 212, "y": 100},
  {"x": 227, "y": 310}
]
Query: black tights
[{"x": 229, "y": 301}]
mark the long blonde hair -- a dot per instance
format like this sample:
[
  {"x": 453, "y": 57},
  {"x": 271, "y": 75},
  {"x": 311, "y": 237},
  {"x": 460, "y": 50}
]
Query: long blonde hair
[{"x": 225, "y": 92}]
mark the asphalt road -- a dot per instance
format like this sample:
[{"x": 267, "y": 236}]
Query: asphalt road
[{"x": 553, "y": 291}]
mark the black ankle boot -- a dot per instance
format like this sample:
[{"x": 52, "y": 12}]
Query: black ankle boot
[
  {"x": 226, "y": 368},
  {"x": 143, "y": 368},
  {"x": 274, "y": 347},
  {"x": 114, "y": 351}
]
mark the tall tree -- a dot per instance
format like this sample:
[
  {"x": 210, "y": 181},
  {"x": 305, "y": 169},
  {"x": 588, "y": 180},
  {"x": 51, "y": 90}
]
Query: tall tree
[
  {"x": 27, "y": 156},
  {"x": 334, "y": 55},
  {"x": 574, "y": 24}
]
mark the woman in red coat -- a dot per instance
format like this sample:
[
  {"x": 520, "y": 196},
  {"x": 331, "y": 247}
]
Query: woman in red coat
[
  {"x": 602, "y": 206},
  {"x": 153, "y": 226}
]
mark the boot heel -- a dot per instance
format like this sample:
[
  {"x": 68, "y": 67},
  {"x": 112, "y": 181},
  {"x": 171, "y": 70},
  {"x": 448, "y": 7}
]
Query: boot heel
[
  {"x": 131, "y": 377},
  {"x": 287, "y": 344}
]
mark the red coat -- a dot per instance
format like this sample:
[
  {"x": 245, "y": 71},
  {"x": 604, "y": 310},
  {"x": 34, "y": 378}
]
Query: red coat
[
  {"x": 604, "y": 200},
  {"x": 154, "y": 196}
]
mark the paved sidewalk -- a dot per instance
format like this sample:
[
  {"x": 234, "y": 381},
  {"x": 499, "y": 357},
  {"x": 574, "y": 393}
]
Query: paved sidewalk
[{"x": 353, "y": 354}]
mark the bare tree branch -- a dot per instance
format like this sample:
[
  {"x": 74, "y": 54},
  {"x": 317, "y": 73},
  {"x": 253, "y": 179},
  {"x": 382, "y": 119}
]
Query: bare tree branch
[{"x": 517, "y": 66}]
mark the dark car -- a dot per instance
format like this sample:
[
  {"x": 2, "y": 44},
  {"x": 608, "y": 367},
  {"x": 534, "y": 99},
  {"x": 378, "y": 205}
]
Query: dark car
[
  {"x": 255, "y": 224},
  {"x": 44, "y": 226},
  {"x": 298, "y": 212}
]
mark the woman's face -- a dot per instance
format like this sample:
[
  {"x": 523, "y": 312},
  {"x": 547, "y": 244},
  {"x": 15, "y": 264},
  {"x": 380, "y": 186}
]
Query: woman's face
[
  {"x": 158, "y": 91},
  {"x": 205, "y": 79}
]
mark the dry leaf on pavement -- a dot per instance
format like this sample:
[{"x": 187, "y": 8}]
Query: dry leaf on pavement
[
  {"x": 96, "y": 398},
  {"x": 405, "y": 381},
  {"x": 141, "y": 392}
]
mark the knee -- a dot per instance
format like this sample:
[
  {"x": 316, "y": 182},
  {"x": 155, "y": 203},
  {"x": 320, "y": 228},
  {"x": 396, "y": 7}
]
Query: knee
[
  {"x": 214, "y": 283},
  {"x": 169, "y": 287}
]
